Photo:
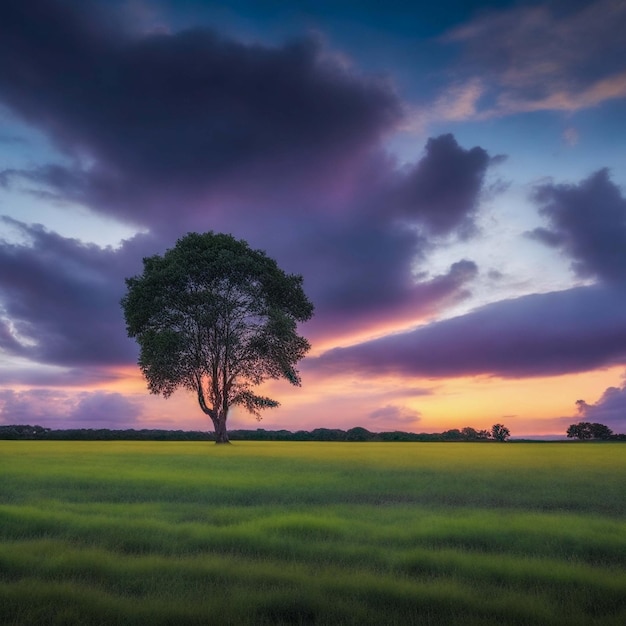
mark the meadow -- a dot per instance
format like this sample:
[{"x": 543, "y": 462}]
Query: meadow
[{"x": 312, "y": 533}]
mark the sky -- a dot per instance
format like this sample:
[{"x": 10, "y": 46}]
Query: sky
[{"x": 449, "y": 179}]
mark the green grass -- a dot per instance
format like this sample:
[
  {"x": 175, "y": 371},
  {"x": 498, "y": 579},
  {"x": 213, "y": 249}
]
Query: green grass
[{"x": 312, "y": 533}]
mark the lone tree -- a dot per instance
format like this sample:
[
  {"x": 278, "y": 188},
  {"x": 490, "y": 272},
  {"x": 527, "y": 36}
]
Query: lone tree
[
  {"x": 587, "y": 430},
  {"x": 217, "y": 318},
  {"x": 500, "y": 432}
]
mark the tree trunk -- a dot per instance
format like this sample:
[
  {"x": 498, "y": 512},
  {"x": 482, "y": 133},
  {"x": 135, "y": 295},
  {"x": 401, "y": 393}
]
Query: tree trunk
[
  {"x": 221, "y": 434},
  {"x": 218, "y": 418}
]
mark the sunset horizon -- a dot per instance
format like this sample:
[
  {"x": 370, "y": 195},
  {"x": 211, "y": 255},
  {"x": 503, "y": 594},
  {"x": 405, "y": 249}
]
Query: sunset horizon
[{"x": 449, "y": 182}]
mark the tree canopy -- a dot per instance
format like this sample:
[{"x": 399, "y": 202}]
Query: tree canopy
[
  {"x": 217, "y": 318},
  {"x": 588, "y": 430},
  {"x": 500, "y": 432}
]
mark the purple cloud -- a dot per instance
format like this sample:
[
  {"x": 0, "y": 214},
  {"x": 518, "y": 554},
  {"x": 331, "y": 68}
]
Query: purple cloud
[
  {"x": 537, "y": 335},
  {"x": 36, "y": 406},
  {"x": 215, "y": 129},
  {"x": 61, "y": 298},
  {"x": 58, "y": 409},
  {"x": 180, "y": 116},
  {"x": 442, "y": 190},
  {"x": 588, "y": 222},
  {"x": 101, "y": 409},
  {"x": 283, "y": 145},
  {"x": 392, "y": 414},
  {"x": 362, "y": 302},
  {"x": 609, "y": 410},
  {"x": 193, "y": 131}
]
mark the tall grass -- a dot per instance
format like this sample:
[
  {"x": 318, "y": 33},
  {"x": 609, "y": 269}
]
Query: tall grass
[{"x": 312, "y": 533}]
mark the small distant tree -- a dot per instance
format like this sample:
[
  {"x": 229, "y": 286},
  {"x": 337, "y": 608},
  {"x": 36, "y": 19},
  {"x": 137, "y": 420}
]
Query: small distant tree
[
  {"x": 588, "y": 430},
  {"x": 358, "y": 433},
  {"x": 581, "y": 431},
  {"x": 469, "y": 433},
  {"x": 217, "y": 318},
  {"x": 500, "y": 432},
  {"x": 454, "y": 434}
]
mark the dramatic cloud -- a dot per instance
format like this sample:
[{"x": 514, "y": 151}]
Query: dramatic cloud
[
  {"x": 36, "y": 406},
  {"x": 180, "y": 115},
  {"x": 279, "y": 145},
  {"x": 588, "y": 222},
  {"x": 23, "y": 372},
  {"x": 289, "y": 146},
  {"x": 407, "y": 307},
  {"x": 547, "y": 57},
  {"x": 60, "y": 299},
  {"x": 609, "y": 410},
  {"x": 442, "y": 190},
  {"x": 59, "y": 409},
  {"x": 104, "y": 409},
  {"x": 536, "y": 335}
]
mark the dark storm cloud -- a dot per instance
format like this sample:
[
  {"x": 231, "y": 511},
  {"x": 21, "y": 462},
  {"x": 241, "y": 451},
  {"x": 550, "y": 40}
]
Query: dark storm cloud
[
  {"x": 588, "y": 222},
  {"x": 442, "y": 190},
  {"x": 361, "y": 264},
  {"x": 354, "y": 261},
  {"x": 60, "y": 301},
  {"x": 536, "y": 335},
  {"x": 183, "y": 113},
  {"x": 364, "y": 302},
  {"x": 194, "y": 131},
  {"x": 62, "y": 298},
  {"x": 203, "y": 125}
]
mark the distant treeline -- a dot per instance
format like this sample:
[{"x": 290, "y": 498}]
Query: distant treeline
[{"x": 358, "y": 433}]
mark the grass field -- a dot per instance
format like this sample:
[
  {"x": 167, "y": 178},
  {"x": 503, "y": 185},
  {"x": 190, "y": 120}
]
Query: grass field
[{"x": 312, "y": 533}]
